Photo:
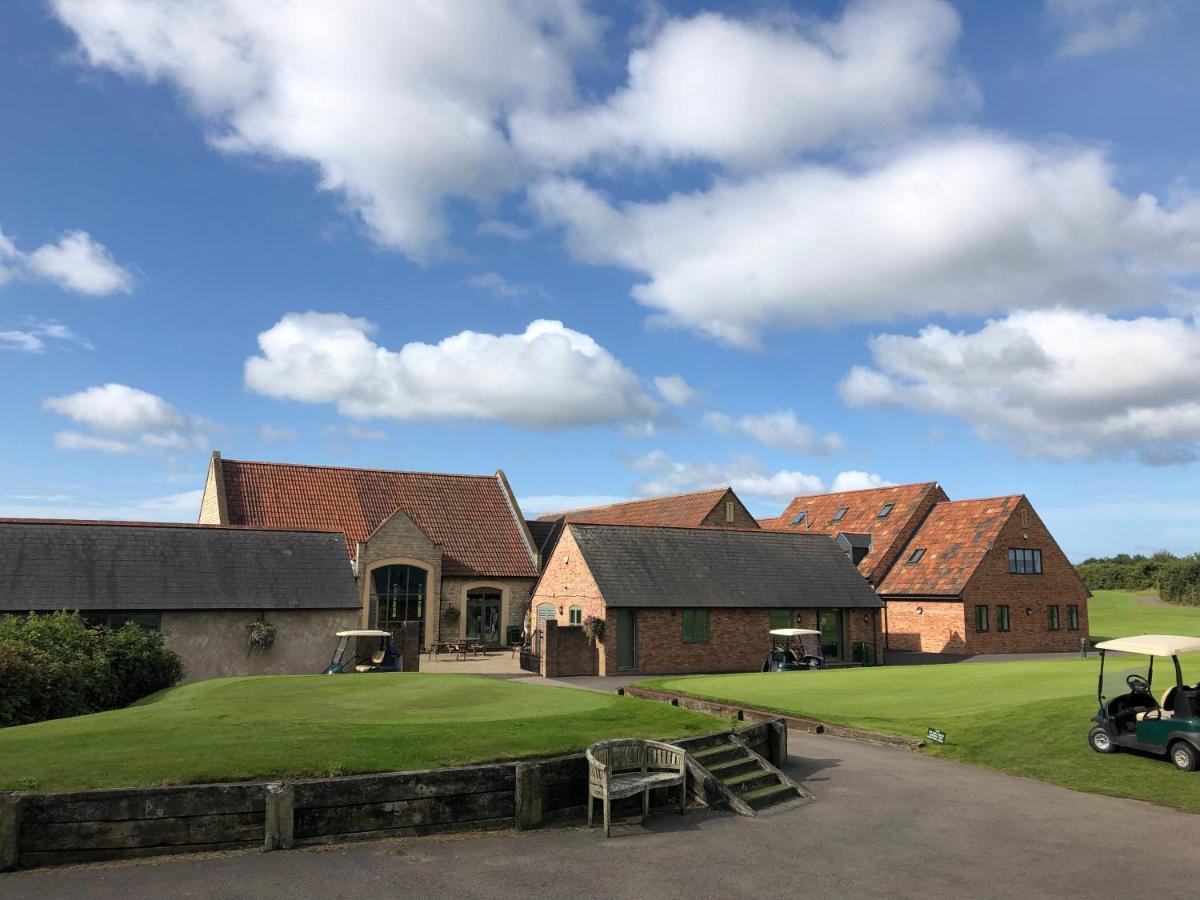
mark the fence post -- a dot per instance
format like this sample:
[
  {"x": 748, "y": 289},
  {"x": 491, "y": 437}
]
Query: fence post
[
  {"x": 777, "y": 742},
  {"x": 280, "y": 825},
  {"x": 530, "y": 799},
  {"x": 10, "y": 830}
]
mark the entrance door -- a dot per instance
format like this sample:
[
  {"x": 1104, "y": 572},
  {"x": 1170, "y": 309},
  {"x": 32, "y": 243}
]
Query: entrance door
[
  {"x": 832, "y": 623},
  {"x": 483, "y": 616},
  {"x": 626, "y": 638}
]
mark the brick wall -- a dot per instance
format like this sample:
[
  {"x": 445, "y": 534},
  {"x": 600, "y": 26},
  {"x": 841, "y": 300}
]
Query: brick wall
[
  {"x": 992, "y": 585},
  {"x": 566, "y": 651},
  {"x": 928, "y": 626},
  {"x": 566, "y": 582},
  {"x": 865, "y": 625}
]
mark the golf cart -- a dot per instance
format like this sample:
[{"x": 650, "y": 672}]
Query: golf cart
[
  {"x": 382, "y": 659},
  {"x": 1129, "y": 715},
  {"x": 788, "y": 653}
]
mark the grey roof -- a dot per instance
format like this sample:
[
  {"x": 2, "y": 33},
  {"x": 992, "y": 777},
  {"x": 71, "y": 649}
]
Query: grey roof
[
  {"x": 116, "y": 566},
  {"x": 685, "y": 567},
  {"x": 849, "y": 539}
]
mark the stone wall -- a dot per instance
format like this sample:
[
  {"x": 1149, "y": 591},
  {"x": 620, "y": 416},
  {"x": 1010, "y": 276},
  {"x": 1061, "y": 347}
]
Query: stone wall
[
  {"x": 399, "y": 541},
  {"x": 212, "y": 643},
  {"x": 514, "y": 604}
]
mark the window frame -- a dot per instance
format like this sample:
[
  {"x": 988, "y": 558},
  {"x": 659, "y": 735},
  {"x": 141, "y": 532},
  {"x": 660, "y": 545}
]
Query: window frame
[
  {"x": 1053, "y": 620},
  {"x": 1072, "y": 617},
  {"x": 839, "y": 514},
  {"x": 1003, "y": 618},
  {"x": 799, "y": 518},
  {"x": 885, "y": 510},
  {"x": 692, "y": 616},
  {"x": 575, "y": 613},
  {"x": 1024, "y": 561},
  {"x": 917, "y": 555},
  {"x": 982, "y": 619}
]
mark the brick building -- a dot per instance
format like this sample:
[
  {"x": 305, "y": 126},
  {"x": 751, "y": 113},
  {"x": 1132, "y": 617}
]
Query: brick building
[
  {"x": 422, "y": 543},
  {"x": 957, "y": 576},
  {"x": 703, "y": 599}
]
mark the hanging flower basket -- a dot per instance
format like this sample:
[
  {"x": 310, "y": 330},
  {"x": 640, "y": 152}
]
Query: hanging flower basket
[
  {"x": 593, "y": 627},
  {"x": 451, "y": 615},
  {"x": 260, "y": 635}
]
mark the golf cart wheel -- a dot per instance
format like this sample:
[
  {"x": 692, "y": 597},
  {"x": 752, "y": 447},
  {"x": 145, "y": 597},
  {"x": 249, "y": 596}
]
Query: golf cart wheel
[
  {"x": 1101, "y": 741},
  {"x": 1185, "y": 756}
]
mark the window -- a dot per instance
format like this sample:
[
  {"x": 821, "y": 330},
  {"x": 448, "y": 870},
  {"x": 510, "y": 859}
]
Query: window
[
  {"x": 1052, "y": 617},
  {"x": 1024, "y": 562},
  {"x": 981, "y": 618},
  {"x": 149, "y": 621},
  {"x": 799, "y": 520},
  {"x": 887, "y": 510},
  {"x": 398, "y": 593},
  {"x": 916, "y": 555},
  {"x": 1072, "y": 617},
  {"x": 729, "y": 511},
  {"x": 695, "y": 626},
  {"x": 840, "y": 514},
  {"x": 575, "y": 615},
  {"x": 1003, "y": 623},
  {"x": 781, "y": 618}
]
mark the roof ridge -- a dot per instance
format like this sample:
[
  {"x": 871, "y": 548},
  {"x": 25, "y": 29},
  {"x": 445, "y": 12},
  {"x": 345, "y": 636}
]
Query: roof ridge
[
  {"x": 713, "y": 490},
  {"x": 981, "y": 499},
  {"x": 288, "y": 465},
  {"x": 137, "y": 523},
  {"x": 738, "y": 528},
  {"x": 882, "y": 487}
]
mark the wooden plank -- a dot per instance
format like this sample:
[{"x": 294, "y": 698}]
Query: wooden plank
[
  {"x": 530, "y": 797},
  {"x": 503, "y": 823},
  {"x": 404, "y": 814},
  {"x": 10, "y": 830},
  {"x": 564, "y": 770},
  {"x": 144, "y": 803},
  {"x": 280, "y": 818},
  {"x": 779, "y": 773},
  {"x": 565, "y": 795},
  {"x": 177, "y": 832},
  {"x": 400, "y": 786}
]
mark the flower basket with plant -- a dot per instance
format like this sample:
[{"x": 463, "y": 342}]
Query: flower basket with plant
[
  {"x": 593, "y": 627},
  {"x": 451, "y": 615},
  {"x": 260, "y": 635}
]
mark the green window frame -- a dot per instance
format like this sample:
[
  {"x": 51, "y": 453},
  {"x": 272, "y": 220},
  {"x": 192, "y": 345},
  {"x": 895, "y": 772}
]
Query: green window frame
[
  {"x": 1072, "y": 617},
  {"x": 981, "y": 618},
  {"x": 1052, "y": 617},
  {"x": 695, "y": 626},
  {"x": 575, "y": 615},
  {"x": 782, "y": 618},
  {"x": 1003, "y": 618}
]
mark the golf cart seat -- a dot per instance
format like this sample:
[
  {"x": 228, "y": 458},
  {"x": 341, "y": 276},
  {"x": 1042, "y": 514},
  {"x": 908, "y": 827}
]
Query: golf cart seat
[{"x": 1166, "y": 708}]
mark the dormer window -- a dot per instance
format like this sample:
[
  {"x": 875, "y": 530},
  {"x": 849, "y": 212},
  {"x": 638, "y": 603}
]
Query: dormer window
[
  {"x": 916, "y": 555},
  {"x": 886, "y": 510},
  {"x": 799, "y": 519},
  {"x": 840, "y": 514}
]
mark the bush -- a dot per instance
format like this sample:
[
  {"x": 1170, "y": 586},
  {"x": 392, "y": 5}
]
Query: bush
[
  {"x": 54, "y": 665},
  {"x": 1179, "y": 582}
]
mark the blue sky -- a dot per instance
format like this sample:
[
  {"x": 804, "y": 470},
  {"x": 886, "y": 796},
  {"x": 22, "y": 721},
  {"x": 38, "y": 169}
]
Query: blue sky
[{"x": 612, "y": 249}]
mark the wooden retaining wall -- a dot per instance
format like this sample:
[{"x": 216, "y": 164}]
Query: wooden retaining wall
[{"x": 39, "y": 829}]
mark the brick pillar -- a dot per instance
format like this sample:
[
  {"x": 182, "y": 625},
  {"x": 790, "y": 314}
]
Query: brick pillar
[{"x": 549, "y": 647}]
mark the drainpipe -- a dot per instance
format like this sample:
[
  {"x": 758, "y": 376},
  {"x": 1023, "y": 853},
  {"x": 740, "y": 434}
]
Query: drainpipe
[{"x": 875, "y": 634}]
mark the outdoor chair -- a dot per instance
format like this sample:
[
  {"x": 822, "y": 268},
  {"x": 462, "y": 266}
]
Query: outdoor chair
[{"x": 629, "y": 766}]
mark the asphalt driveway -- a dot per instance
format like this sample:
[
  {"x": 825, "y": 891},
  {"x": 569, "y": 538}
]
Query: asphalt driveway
[{"x": 887, "y": 823}]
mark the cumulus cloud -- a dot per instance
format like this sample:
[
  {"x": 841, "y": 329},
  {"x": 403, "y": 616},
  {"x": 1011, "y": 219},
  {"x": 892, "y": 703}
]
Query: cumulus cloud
[
  {"x": 1056, "y": 384},
  {"x": 35, "y": 335},
  {"x": 548, "y": 377},
  {"x": 777, "y": 429},
  {"x": 1096, "y": 26},
  {"x": 961, "y": 225},
  {"x": 747, "y": 92},
  {"x": 122, "y": 419},
  {"x": 398, "y": 106},
  {"x": 495, "y": 283},
  {"x": 746, "y": 475},
  {"x": 854, "y": 480},
  {"x": 76, "y": 262},
  {"x": 675, "y": 390}
]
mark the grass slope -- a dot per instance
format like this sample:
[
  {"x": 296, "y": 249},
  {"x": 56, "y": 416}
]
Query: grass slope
[
  {"x": 1026, "y": 718},
  {"x": 247, "y": 728}
]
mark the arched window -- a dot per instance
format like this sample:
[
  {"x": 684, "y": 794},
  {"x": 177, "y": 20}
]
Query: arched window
[{"x": 398, "y": 594}]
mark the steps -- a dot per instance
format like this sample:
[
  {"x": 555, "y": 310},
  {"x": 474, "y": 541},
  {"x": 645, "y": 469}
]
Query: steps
[{"x": 747, "y": 781}]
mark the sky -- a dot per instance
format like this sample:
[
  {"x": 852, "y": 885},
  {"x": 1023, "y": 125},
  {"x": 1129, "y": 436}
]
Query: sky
[{"x": 616, "y": 250}]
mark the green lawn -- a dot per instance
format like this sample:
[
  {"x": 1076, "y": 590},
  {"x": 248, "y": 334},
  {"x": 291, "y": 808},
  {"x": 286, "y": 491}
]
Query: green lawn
[
  {"x": 246, "y": 728},
  {"x": 1026, "y": 718}
]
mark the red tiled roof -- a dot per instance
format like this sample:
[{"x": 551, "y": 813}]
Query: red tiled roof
[
  {"x": 862, "y": 517},
  {"x": 955, "y": 537},
  {"x": 685, "y": 510},
  {"x": 468, "y": 515}
]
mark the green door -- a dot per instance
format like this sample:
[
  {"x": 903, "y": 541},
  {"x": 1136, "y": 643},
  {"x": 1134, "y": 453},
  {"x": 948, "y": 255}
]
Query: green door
[
  {"x": 833, "y": 633},
  {"x": 626, "y": 638}
]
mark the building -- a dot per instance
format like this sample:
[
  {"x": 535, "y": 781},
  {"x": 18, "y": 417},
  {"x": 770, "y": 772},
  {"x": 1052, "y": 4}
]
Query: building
[
  {"x": 957, "y": 576},
  {"x": 201, "y": 586},
  {"x": 701, "y": 599},
  {"x": 718, "y": 507},
  {"x": 450, "y": 552}
]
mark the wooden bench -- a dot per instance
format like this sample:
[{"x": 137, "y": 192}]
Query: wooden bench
[{"x": 629, "y": 766}]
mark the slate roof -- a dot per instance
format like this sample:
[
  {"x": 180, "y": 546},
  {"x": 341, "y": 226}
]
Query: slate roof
[
  {"x": 150, "y": 566},
  {"x": 861, "y": 517},
  {"x": 645, "y": 566},
  {"x": 679, "y": 510},
  {"x": 469, "y": 516},
  {"x": 955, "y": 536}
]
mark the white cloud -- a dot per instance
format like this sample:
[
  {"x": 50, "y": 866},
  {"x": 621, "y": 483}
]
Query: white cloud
[
  {"x": 1096, "y": 26},
  {"x": 1057, "y": 384},
  {"x": 749, "y": 92},
  {"x": 545, "y": 503},
  {"x": 777, "y": 429},
  {"x": 398, "y": 106},
  {"x": 962, "y": 225},
  {"x": 356, "y": 432},
  {"x": 123, "y": 419},
  {"x": 497, "y": 284},
  {"x": 499, "y": 228},
  {"x": 854, "y": 480},
  {"x": 744, "y": 474},
  {"x": 271, "y": 434},
  {"x": 547, "y": 377},
  {"x": 33, "y": 336},
  {"x": 182, "y": 507},
  {"x": 79, "y": 263},
  {"x": 675, "y": 390}
]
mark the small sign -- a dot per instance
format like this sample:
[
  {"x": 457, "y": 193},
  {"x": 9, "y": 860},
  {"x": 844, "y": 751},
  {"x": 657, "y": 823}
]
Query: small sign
[{"x": 935, "y": 736}]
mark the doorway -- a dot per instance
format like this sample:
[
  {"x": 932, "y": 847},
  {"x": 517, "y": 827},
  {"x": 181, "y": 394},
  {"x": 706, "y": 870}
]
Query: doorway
[
  {"x": 833, "y": 626},
  {"x": 483, "y": 616},
  {"x": 626, "y": 638}
]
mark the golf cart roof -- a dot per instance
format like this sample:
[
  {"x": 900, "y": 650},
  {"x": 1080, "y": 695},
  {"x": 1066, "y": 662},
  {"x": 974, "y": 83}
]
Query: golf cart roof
[
  {"x": 1153, "y": 644},
  {"x": 792, "y": 632},
  {"x": 369, "y": 632}
]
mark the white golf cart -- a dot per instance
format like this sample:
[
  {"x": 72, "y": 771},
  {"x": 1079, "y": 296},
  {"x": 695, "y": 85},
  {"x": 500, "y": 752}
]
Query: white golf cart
[{"x": 382, "y": 659}]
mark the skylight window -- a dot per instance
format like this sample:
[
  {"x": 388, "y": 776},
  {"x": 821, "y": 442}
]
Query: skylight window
[
  {"x": 840, "y": 514},
  {"x": 916, "y": 555},
  {"x": 887, "y": 510},
  {"x": 799, "y": 520}
]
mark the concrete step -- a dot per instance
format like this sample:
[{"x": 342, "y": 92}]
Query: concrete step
[
  {"x": 770, "y": 795},
  {"x": 750, "y": 782},
  {"x": 735, "y": 766},
  {"x": 711, "y": 756}
]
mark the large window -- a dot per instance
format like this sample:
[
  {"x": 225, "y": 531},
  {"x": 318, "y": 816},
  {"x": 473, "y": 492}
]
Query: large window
[
  {"x": 981, "y": 618},
  {"x": 1003, "y": 622},
  {"x": 781, "y": 618},
  {"x": 1072, "y": 617},
  {"x": 695, "y": 626},
  {"x": 1024, "y": 562},
  {"x": 398, "y": 595},
  {"x": 483, "y": 615},
  {"x": 1052, "y": 617}
]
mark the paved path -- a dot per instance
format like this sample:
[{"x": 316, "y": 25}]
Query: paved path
[{"x": 887, "y": 823}]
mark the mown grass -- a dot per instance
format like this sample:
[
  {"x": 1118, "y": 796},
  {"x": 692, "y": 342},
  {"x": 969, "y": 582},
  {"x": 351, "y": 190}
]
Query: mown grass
[
  {"x": 233, "y": 729},
  {"x": 1025, "y": 718}
]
